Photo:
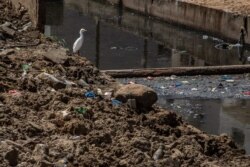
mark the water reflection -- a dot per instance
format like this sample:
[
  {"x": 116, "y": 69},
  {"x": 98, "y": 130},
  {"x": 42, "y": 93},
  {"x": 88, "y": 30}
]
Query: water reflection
[
  {"x": 231, "y": 116},
  {"x": 156, "y": 44}
]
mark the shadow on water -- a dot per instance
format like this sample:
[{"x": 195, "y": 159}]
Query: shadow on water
[
  {"x": 120, "y": 39},
  {"x": 231, "y": 116}
]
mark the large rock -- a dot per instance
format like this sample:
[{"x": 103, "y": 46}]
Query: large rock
[{"x": 145, "y": 97}]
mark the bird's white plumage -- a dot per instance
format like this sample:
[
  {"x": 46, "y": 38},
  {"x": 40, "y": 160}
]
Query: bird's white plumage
[{"x": 78, "y": 43}]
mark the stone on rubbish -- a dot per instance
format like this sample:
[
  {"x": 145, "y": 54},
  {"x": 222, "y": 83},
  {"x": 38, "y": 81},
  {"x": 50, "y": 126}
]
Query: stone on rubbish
[{"x": 145, "y": 97}]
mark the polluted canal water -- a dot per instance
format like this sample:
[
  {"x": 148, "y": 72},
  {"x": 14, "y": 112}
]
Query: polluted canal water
[
  {"x": 120, "y": 39},
  {"x": 115, "y": 36}
]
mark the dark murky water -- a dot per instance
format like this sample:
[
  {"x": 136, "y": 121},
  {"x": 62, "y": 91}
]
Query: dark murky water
[
  {"x": 118, "y": 39},
  {"x": 229, "y": 116}
]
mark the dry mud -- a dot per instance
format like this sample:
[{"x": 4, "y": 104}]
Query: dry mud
[{"x": 41, "y": 124}]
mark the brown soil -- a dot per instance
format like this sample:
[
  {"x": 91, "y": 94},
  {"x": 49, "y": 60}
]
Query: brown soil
[
  {"x": 233, "y": 6},
  {"x": 40, "y": 125}
]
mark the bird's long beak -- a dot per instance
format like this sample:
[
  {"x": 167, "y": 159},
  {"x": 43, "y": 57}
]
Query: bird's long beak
[{"x": 84, "y": 29}]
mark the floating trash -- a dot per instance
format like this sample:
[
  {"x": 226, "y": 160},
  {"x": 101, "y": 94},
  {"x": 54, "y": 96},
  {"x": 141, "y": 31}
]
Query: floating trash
[
  {"x": 229, "y": 80},
  {"x": 194, "y": 89},
  {"x": 150, "y": 78},
  {"x": 130, "y": 48},
  {"x": 178, "y": 84},
  {"x": 220, "y": 86},
  {"x": 247, "y": 93},
  {"x": 185, "y": 82},
  {"x": 113, "y": 48},
  {"x": 226, "y": 77},
  {"x": 163, "y": 87},
  {"x": 213, "y": 89},
  {"x": 116, "y": 102},
  {"x": 224, "y": 46},
  {"x": 204, "y": 37},
  {"x": 217, "y": 39},
  {"x": 173, "y": 77}
]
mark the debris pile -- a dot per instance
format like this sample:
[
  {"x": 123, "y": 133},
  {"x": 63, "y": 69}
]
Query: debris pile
[{"x": 57, "y": 109}]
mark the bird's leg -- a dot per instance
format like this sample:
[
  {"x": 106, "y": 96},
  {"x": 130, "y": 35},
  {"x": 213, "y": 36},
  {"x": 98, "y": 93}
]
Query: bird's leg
[{"x": 78, "y": 53}]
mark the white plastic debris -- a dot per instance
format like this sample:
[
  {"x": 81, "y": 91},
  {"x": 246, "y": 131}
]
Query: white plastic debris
[
  {"x": 185, "y": 82},
  {"x": 159, "y": 153},
  {"x": 99, "y": 91},
  {"x": 204, "y": 37},
  {"x": 229, "y": 80}
]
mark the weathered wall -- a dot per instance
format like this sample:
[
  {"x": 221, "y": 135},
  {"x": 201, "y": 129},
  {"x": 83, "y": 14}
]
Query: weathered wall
[
  {"x": 197, "y": 17},
  {"x": 35, "y": 8},
  {"x": 164, "y": 34}
]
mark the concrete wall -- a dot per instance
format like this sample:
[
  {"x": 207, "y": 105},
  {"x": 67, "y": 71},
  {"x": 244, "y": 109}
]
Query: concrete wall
[
  {"x": 35, "y": 8},
  {"x": 161, "y": 32},
  {"x": 214, "y": 21}
]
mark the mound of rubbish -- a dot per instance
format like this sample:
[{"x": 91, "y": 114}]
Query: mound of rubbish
[{"x": 57, "y": 109}]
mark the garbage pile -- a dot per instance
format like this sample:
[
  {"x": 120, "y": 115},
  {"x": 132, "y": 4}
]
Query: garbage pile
[{"x": 57, "y": 109}]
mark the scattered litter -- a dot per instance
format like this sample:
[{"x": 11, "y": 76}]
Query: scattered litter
[
  {"x": 52, "y": 90},
  {"x": 90, "y": 94},
  {"x": 25, "y": 68},
  {"x": 178, "y": 107},
  {"x": 99, "y": 92},
  {"x": 131, "y": 82},
  {"x": 113, "y": 48},
  {"x": 116, "y": 102},
  {"x": 159, "y": 153},
  {"x": 68, "y": 83},
  {"x": 224, "y": 46},
  {"x": 14, "y": 92},
  {"x": 83, "y": 83},
  {"x": 26, "y": 26},
  {"x": 194, "y": 89},
  {"x": 64, "y": 112},
  {"x": 81, "y": 110},
  {"x": 108, "y": 95},
  {"x": 213, "y": 89}
]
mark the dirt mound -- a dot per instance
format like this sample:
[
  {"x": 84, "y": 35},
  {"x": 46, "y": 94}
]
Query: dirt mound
[{"x": 53, "y": 114}]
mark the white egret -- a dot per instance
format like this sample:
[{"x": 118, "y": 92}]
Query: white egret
[{"x": 78, "y": 43}]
